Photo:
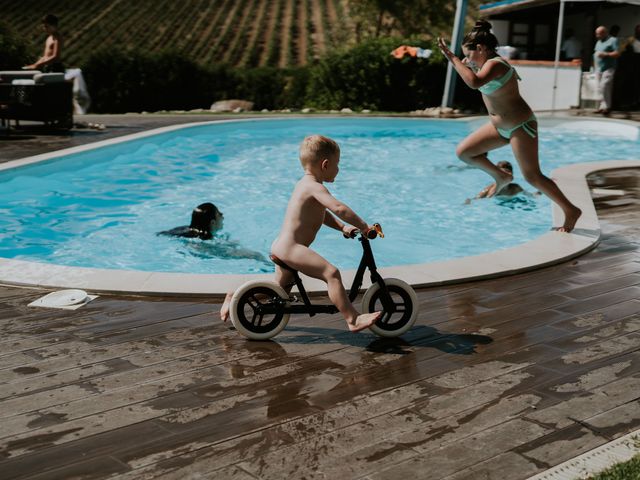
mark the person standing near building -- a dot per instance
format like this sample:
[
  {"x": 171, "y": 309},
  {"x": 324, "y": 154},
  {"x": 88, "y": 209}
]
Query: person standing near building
[
  {"x": 605, "y": 56},
  {"x": 614, "y": 31},
  {"x": 571, "y": 47},
  {"x": 633, "y": 43},
  {"x": 629, "y": 70}
]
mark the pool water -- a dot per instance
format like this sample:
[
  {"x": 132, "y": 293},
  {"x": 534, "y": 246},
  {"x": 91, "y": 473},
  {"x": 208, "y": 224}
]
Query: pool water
[{"x": 103, "y": 208}]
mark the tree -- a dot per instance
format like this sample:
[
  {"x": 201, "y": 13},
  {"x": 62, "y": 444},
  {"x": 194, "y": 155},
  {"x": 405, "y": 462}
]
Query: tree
[
  {"x": 14, "y": 51},
  {"x": 428, "y": 18}
]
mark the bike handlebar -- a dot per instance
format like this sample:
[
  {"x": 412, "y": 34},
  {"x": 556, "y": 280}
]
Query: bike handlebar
[{"x": 376, "y": 231}]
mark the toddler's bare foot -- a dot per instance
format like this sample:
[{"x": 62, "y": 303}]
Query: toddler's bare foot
[
  {"x": 570, "y": 219},
  {"x": 364, "y": 321},
  {"x": 506, "y": 179},
  {"x": 224, "y": 310}
]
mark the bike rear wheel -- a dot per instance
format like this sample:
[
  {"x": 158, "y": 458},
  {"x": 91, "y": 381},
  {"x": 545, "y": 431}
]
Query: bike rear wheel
[
  {"x": 248, "y": 310},
  {"x": 405, "y": 300}
]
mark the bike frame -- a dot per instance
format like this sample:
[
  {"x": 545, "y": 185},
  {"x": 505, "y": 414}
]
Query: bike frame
[{"x": 367, "y": 261}]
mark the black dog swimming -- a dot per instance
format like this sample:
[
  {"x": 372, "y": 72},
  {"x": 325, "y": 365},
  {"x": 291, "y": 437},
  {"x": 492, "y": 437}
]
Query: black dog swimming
[{"x": 206, "y": 219}]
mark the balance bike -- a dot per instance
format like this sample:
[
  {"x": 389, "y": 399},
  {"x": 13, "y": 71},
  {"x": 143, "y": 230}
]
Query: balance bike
[{"x": 260, "y": 309}]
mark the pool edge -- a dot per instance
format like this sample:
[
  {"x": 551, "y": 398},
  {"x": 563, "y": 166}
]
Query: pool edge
[{"x": 549, "y": 249}]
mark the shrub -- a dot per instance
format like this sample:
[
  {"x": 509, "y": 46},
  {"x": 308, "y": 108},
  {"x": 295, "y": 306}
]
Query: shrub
[
  {"x": 125, "y": 81},
  {"x": 263, "y": 86},
  {"x": 273, "y": 88},
  {"x": 368, "y": 76},
  {"x": 128, "y": 81},
  {"x": 296, "y": 87},
  {"x": 15, "y": 52}
]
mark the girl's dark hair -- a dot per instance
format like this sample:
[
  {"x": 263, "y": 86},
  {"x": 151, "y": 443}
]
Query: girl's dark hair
[{"x": 480, "y": 35}]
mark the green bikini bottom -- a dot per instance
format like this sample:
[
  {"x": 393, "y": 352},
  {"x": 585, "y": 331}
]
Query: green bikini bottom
[{"x": 533, "y": 132}]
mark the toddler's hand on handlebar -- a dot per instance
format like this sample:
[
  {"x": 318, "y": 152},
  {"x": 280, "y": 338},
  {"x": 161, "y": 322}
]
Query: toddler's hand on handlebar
[
  {"x": 374, "y": 231},
  {"x": 349, "y": 231},
  {"x": 371, "y": 232}
]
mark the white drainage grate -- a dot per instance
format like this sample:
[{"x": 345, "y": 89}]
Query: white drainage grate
[
  {"x": 596, "y": 460},
  {"x": 65, "y": 299}
]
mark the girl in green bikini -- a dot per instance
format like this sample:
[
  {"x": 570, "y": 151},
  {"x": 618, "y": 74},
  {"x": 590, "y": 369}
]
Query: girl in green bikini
[{"x": 511, "y": 119}]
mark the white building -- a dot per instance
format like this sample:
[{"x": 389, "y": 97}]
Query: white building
[{"x": 531, "y": 28}]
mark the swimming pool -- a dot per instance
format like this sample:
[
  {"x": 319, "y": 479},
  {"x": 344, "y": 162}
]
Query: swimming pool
[{"x": 103, "y": 208}]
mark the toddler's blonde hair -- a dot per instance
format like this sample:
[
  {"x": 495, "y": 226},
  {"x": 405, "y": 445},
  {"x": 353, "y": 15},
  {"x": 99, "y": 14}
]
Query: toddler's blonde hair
[{"x": 316, "y": 148}]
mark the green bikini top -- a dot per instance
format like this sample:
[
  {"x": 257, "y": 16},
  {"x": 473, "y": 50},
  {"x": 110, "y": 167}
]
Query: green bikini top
[{"x": 493, "y": 85}]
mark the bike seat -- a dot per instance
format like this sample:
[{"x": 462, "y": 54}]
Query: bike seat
[{"x": 280, "y": 263}]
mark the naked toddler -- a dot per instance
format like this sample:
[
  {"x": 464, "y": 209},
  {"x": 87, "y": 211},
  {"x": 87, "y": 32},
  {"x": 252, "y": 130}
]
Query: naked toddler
[{"x": 311, "y": 205}]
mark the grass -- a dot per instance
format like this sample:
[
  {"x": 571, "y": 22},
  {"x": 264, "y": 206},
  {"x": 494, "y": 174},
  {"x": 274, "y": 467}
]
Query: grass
[{"x": 629, "y": 470}]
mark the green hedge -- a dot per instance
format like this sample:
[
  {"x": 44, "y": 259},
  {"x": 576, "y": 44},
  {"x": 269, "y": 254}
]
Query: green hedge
[
  {"x": 120, "y": 81},
  {"x": 368, "y": 76},
  {"x": 15, "y": 52},
  {"x": 365, "y": 76},
  {"x": 125, "y": 81}
]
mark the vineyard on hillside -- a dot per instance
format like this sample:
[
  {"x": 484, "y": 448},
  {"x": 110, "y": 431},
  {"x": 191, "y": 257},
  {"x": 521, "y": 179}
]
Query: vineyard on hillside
[{"x": 246, "y": 33}]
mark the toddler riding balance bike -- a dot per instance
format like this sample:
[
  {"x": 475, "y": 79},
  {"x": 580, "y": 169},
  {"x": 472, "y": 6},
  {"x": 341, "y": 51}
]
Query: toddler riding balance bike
[{"x": 260, "y": 310}]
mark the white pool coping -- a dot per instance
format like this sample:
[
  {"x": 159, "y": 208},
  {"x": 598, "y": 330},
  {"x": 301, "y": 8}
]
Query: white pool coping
[
  {"x": 595, "y": 461},
  {"x": 549, "y": 249}
]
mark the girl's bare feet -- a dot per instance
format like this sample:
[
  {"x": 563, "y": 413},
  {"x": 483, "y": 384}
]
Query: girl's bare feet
[
  {"x": 570, "y": 219},
  {"x": 364, "y": 321},
  {"x": 224, "y": 310}
]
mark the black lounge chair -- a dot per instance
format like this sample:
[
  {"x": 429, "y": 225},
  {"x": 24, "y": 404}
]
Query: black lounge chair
[{"x": 36, "y": 96}]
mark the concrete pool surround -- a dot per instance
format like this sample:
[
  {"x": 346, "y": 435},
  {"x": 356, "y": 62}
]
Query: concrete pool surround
[{"x": 551, "y": 248}]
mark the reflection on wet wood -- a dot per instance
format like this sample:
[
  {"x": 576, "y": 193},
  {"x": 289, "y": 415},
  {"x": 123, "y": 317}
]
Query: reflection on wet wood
[{"x": 499, "y": 379}]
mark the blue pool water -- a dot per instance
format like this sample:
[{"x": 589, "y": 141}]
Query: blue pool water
[{"x": 103, "y": 208}]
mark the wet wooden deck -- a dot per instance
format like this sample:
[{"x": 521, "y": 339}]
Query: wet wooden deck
[{"x": 499, "y": 379}]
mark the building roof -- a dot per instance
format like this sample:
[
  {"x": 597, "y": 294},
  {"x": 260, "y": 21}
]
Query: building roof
[{"x": 504, "y": 6}]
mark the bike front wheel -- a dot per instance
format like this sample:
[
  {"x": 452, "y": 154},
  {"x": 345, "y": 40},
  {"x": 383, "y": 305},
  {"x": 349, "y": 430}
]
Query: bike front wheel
[
  {"x": 257, "y": 310},
  {"x": 405, "y": 301}
]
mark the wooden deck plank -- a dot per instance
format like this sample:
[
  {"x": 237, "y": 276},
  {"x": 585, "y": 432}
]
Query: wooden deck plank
[{"x": 94, "y": 468}]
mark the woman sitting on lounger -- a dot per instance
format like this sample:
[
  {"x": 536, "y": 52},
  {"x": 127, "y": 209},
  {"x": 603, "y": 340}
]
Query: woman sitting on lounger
[{"x": 511, "y": 119}]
